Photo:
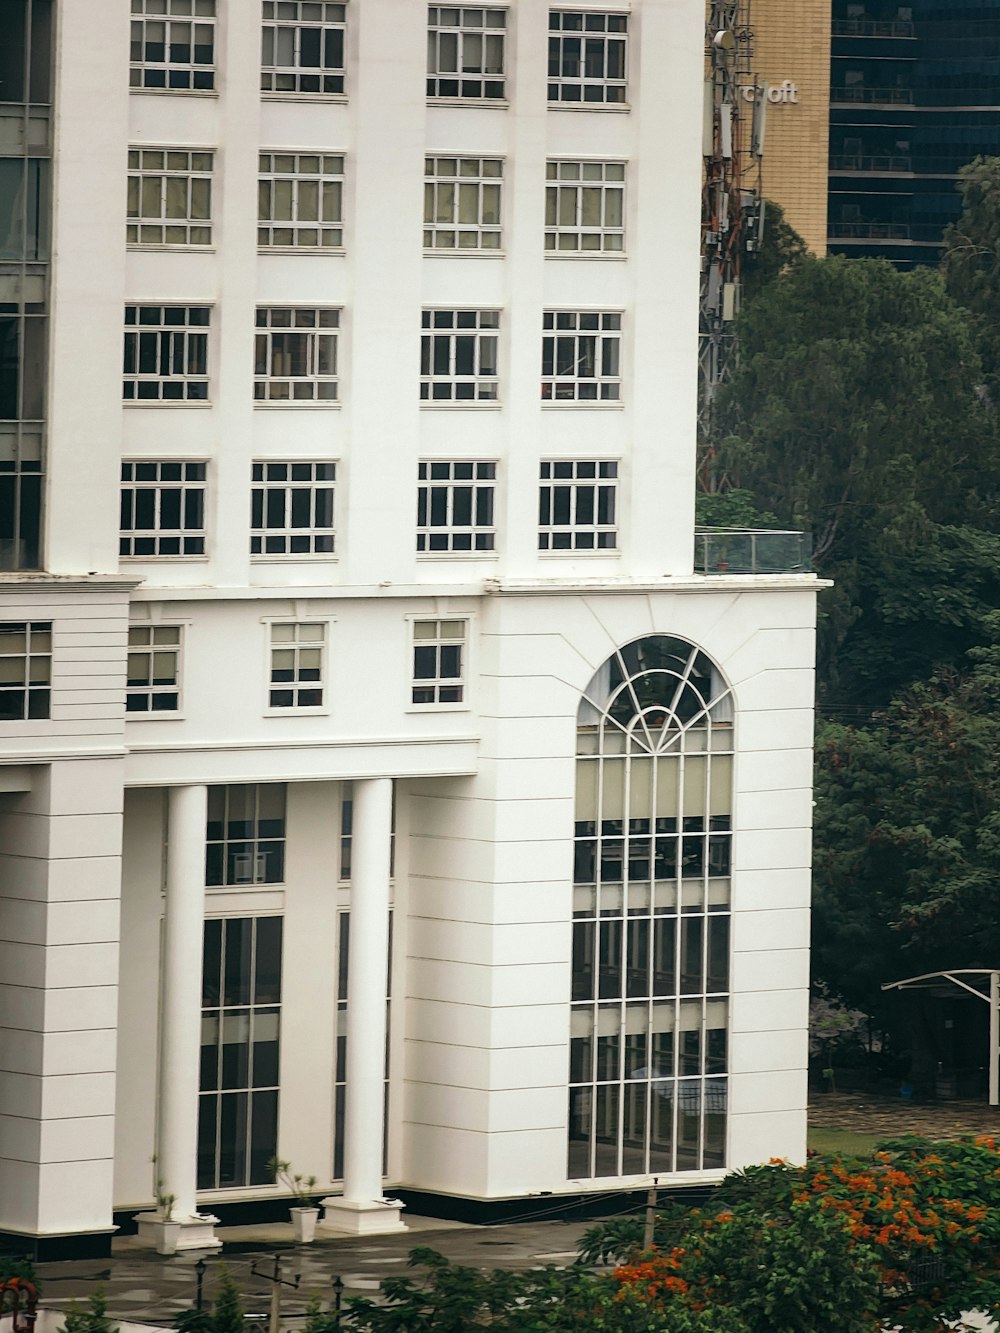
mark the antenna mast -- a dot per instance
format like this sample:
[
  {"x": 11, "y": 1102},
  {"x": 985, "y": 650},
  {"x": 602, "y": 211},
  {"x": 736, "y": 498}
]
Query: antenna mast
[{"x": 732, "y": 211}]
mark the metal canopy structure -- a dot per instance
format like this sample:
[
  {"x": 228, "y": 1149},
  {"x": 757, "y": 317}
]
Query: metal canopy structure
[{"x": 987, "y": 988}]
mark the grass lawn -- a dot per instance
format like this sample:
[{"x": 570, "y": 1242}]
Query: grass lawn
[{"x": 845, "y": 1141}]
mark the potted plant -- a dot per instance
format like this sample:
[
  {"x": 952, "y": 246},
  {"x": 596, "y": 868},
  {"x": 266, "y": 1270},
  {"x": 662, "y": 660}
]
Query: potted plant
[{"x": 303, "y": 1213}]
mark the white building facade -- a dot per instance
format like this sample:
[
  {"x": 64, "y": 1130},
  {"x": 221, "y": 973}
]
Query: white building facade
[{"x": 347, "y": 395}]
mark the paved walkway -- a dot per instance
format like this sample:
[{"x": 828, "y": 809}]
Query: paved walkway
[{"x": 869, "y": 1114}]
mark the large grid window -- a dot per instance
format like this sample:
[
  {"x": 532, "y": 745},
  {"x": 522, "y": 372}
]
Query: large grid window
[
  {"x": 295, "y": 355},
  {"x": 162, "y": 509},
  {"x": 25, "y": 670},
  {"x": 455, "y": 503},
  {"x": 576, "y": 506},
  {"x": 650, "y": 1006},
  {"x": 154, "y": 669},
  {"x": 300, "y": 200},
  {"x": 585, "y": 207},
  {"x": 291, "y": 509},
  {"x": 458, "y": 356},
  {"x": 465, "y": 52},
  {"x": 439, "y": 661},
  {"x": 240, "y": 1030},
  {"x": 587, "y": 57},
  {"x": 173, "y": 45},
  {"x": 166, "y": 353},
  {"x": 169, "y": 196},
  {"x": 297, "y": 653},
  {"x": 245, "y": 837},
  {"x": 462, "y": 203},
  {"x": 303, "y": 47},
  {"x": 581, "y": 356}
]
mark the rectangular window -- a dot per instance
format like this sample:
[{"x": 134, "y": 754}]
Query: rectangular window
[
  {"x": 458, "y": 356},
  {"x": 462, "y": 203},
  {"x": 581, "y": 356},
  {"x": 173, "y": 45},
  {"x": 455, "y": 507},
  {"x": 162, "y": 509},
  {"x": 587, "y": 57},
  {"x": 169, "y": 196},
  {"x": 240, "y": 1031},
  {"x": 303, "y": 47},
  {"x": 465, "y": 52},
  {"x": 297, "y": 652},
  {"x": 25, "y": 670},
  {"x": 300, "y": 200},
  {"x": 20, "y": 503},
  {"x": 295, "y": 355},
  {"x": 245, "y": 841},
  {"x": 576, "y": 506},
  {"x": 154, "y": 658},
  {"x": 438, "y": 661},
  {"x": 291, "y": 509},
  {"x": 585, "y": 207},
  {"x": 166, "y": 353},
  {"x": 25, "y": 184}
]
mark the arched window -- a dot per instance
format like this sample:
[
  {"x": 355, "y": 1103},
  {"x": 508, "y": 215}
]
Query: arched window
[{"x": 650, "y": 1008}]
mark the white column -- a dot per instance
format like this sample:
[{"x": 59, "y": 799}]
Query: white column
[
  {"x": 180, "y": 1226},
  {"x": 363, "y": 1207}
]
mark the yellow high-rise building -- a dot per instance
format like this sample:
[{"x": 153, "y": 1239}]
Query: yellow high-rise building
[{"x": 791, "y": 55}]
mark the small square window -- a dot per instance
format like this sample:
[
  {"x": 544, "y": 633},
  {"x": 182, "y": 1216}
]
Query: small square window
[
  {"x": 462, "y": 203},
  {"x": 439, "y": 661},
  {"x": 587, "y": 58},
  {"x": 300, "y": 200},
  {"x": 162, "y": 509},
  {"x": 577, "y": 501},
  {"x": 466, "y": 52},
  {"x": 291, "y": 509},
  {"x": 166, "y": 353},
  {"x": 173, "y": 45},
  {"x": 581, "y": 356},
  {"x": 459, "y": 352},
  {"x": 303, "y": 47},
  {"x": 455, "y": 507},
  {"x": 295, "y": 355},
  {"x": 169, "y": 197},
  {"x": 584, "y": 207}
]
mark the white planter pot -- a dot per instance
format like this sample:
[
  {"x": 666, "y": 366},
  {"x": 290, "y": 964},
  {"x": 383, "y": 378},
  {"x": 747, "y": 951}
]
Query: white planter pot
[{"x": 304, "y": 1222}]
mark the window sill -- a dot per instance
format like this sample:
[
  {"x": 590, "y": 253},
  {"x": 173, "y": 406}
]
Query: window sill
[
  {"x": 297, "y": 559},
  {"x": 438, "y": 708},
  {"x": 490, "y": 103},
  {"x": 173, "y": 403},
  {"x": 296, "y": 712},
  {"x": 326, "y": 98},
  {"x": 588, "y": 255},
  {"x": 575, "y": 406},
  {"x": 608, "y": 553},
  {"x": 157, "y": 248},
  {"x": 160, "y": 559},
  {"x": 174, "y": 92},
  {"x": 443, "y": 405},
  {"x": 314, "y": 251},
  {"x": 305, "y": 405},
  {"x": 152, "y": 717},
  {"x": 616, "y": 108},
  {"x": 454, "y": 252},
  {"x": 423, "y": 556}
]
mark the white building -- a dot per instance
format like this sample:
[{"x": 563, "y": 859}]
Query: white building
[{"x": 402, "y": 564}]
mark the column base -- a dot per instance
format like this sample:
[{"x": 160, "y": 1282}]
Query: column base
[
  {"x": 171, "y": 1235},
  {"x": 375, "y": 1218}
]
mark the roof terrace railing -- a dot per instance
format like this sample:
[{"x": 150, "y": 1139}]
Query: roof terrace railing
[{"x": 751, "y": 551}]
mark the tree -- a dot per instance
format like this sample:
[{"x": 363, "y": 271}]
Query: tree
[
  {"x": 853, "y": 413},
  {"x": 908, "y": 835},
  {"x": 780, "y": 251},
  {"x": 971, "y": 260},
  {"x": 89, "y": 1318}
]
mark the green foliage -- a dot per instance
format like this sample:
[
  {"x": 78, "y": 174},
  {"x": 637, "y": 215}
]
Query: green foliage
[
  {"x": 730, "y": 509},
  {"x": 907, "y": 853},
  {"x": 854, "y": 413},
  {"x": 319, "y": 1320},
  {"x": 971, "y": 261},
  {"x": 194, "y": 1321},
  {"x": 227, "y": 1308},
  {"x": 90, "y": 1317},
  {"x": 781, "y": 251}
]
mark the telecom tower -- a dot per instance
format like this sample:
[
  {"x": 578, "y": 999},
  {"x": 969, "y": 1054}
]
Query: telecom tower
[{"x": 732, "y": 215}]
